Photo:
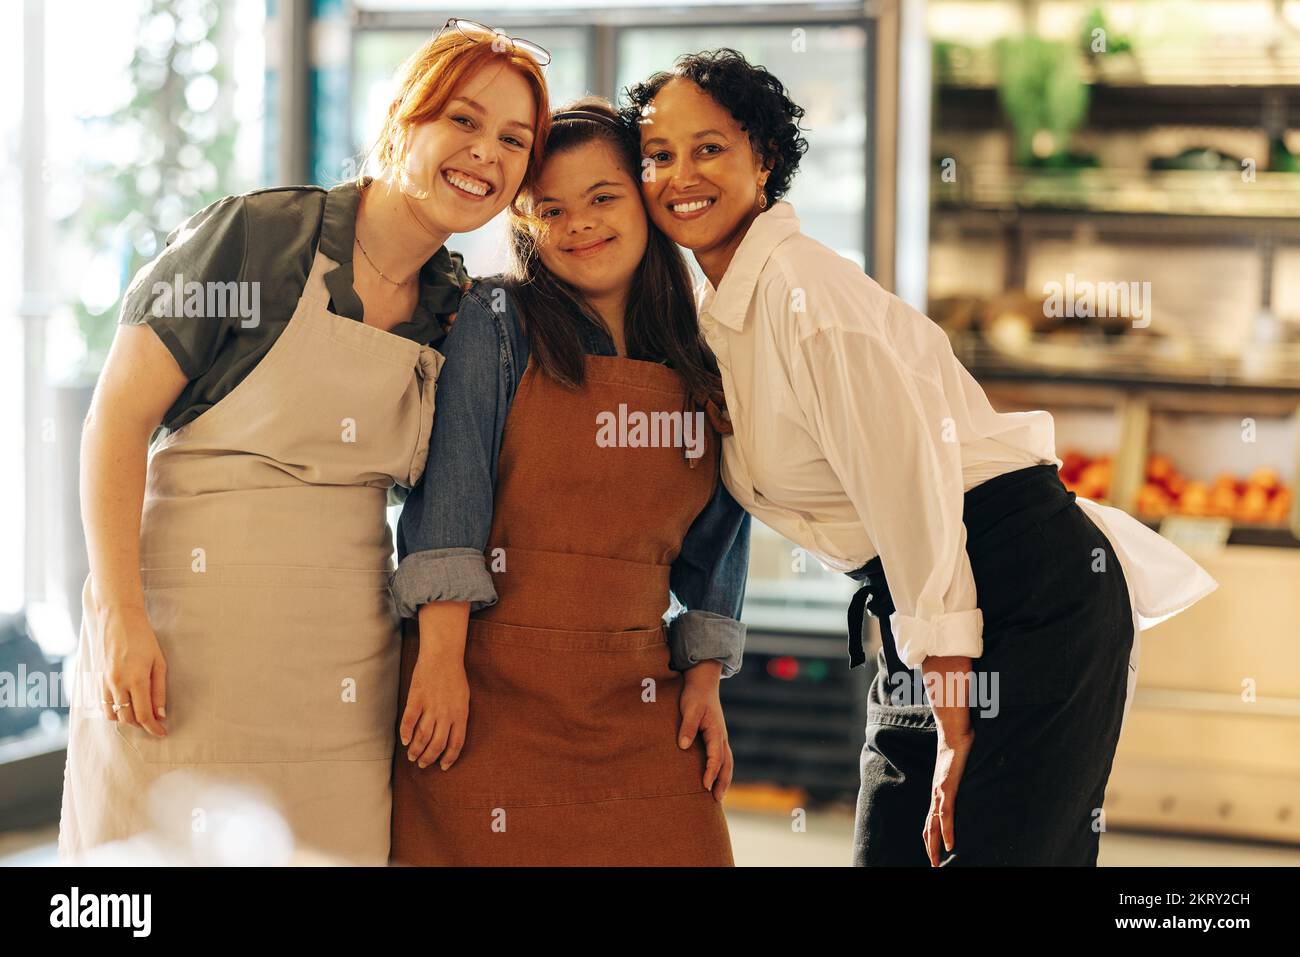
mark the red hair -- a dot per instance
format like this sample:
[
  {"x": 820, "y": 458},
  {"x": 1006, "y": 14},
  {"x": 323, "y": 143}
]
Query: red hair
[{"x": 430, "y": 78}]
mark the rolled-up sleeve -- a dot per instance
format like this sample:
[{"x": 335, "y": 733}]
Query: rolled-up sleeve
[
  {"x": 886, "y": 431},
  {"x": 708, "y": 578},
  {"x": 447, "y": 517}
]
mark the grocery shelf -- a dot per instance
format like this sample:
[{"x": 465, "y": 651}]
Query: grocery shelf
[
  {"x": 1242, "y": 69},
  {"x": 1126, "y": 362},
  {"x": 1267, "y": 536},
  {"x": 1197, "y": 753},
  {"x": 1220, "y": 195},
  {"x": 1134, "y": 407},
  {"x": 993, "y": 372},
  {"x": 1129, "y": 105}
]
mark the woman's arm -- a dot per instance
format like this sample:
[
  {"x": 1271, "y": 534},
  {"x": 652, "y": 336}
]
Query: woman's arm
[
  {"x": 889, "y": 436},
  {"x": 443, "y": 531},
  {"x": 707, "y": 640},
  {"x": 155, "y": 353},
  {"x": 887, "y": 432},
  {"x": 139, "y": 383},
  {"x": 444, "y": 526},
  {"x": 708, "y": 577}
]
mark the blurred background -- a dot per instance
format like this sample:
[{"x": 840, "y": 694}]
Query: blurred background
[{"x": 1100, "y": 202}]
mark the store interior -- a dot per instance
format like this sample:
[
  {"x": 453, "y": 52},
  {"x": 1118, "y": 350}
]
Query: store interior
[{"x": 1099, "y": 202}]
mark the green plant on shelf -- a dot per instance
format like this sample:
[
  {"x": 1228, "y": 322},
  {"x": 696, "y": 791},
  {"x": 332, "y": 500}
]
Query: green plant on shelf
[
  {"x": 1041, "y": 90},
  {"x": 1098, "y": 40}
]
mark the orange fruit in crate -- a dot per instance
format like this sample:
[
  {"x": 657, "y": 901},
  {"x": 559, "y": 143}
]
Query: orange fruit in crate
[
  {"x": 1223, "y": 497},
  {"x": 1279, "y": 508},
  {"x": 1159, "y": 467},
  {"x": 1266, "y": 479},
  {"x": 1153, "y": 500},
  {"x": 1072, "y": 463},
  {"x": 1161, "y": 471},
  {"x": 1195, "y": 499},
  {"x": 1224, "y": 480},
  {"x": 1094, "y": 480},
  {"x": 1252, "y": 507}
]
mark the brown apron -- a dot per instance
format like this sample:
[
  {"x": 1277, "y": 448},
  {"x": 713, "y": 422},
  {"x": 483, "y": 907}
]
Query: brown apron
[
  {"x": 571, "y": 753},
  {"x": 265, "y": 557}
]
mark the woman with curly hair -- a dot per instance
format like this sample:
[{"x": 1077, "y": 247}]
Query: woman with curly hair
[{"x": 860, "y": 437}]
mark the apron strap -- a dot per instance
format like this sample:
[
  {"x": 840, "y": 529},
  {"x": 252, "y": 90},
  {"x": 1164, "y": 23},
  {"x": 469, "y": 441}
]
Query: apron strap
[{"x": 857, "y": 615}]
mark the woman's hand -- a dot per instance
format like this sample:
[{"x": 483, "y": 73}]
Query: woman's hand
[
  {"x": 701, "y": 710},
  {"x": 437, "y": 704},
  {"x": 947, "y": 681},
  {"x": 134, "y": 670},
  {"x": 450, "y": 319},
  {"x": 140, "y": 381},
  {"x": 437, "y": 710}
]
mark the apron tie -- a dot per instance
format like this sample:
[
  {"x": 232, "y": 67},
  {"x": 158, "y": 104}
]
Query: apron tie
[
  {"x": 717, "y": 416},
  {"x": 857, "y": 614},
  {"x": 858, "y": 607},
  {"x": 428, "y": 365}
]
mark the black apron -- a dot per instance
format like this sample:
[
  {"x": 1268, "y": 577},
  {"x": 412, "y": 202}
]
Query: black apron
[{"x": 1050, "y": 686}]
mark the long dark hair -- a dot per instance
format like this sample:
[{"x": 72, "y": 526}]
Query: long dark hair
[{"x": 660, "y": 319}]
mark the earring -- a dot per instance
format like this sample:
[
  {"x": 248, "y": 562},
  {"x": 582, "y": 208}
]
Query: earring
[{"x": 762, "y": 198}]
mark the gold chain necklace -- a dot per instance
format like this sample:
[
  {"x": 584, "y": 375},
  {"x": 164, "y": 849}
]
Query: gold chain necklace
[{"x": 404, "y": 282}]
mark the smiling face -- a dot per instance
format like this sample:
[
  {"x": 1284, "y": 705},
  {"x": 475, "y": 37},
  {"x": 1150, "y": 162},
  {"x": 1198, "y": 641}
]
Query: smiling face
[
  {"x": 707, "y": 176},
  {"x": 466, "y": 164},
  {"x": 596, "y": 229}
]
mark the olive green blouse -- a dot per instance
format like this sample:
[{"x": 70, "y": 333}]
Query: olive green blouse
[{"x": 267, "y": 237}]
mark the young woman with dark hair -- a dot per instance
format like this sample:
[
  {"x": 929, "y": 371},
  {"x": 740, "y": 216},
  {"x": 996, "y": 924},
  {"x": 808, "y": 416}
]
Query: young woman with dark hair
[
  {"x": 859, "y": 436},
  {"x": 546, "y": 541}
]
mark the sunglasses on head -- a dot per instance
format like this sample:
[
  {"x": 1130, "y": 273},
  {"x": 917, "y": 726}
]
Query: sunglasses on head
[{"x": 473, "y": 30}]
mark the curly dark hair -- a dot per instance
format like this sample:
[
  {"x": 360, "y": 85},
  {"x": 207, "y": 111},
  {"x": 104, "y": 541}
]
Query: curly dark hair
[{"x": 755, "y": 98}]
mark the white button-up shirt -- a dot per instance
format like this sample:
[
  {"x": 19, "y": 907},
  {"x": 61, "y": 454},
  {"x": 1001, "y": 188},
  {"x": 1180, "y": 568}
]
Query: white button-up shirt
[{"x": 857, "y": 432}]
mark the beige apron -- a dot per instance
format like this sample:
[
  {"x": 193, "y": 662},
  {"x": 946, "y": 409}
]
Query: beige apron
[{"x": 265, "y": 556}]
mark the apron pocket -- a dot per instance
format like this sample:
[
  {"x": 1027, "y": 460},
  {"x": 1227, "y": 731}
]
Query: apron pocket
[{"x": 897, "y": 761}]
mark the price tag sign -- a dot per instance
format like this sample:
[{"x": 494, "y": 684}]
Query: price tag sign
[{"x": 1194, "y": 534}]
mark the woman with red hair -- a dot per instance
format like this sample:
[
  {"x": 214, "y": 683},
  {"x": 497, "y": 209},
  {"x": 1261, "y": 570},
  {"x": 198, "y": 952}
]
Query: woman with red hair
[{"x": 238, "y": 622}]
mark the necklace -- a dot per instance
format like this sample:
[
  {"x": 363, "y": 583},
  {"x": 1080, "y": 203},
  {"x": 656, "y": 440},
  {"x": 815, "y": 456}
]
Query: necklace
[{"x": 394, "y": 282}]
